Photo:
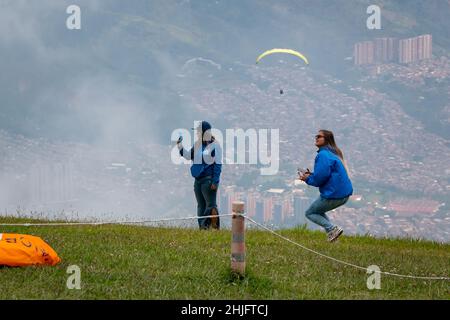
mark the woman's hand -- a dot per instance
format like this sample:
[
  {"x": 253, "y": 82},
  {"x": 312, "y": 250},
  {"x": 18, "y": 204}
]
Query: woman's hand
[
  {"x": 305, "y": 176},
  {"x": 213, "y": 187}
]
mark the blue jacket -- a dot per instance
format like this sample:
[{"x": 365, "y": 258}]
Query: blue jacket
[
  {"x": 330, "y": 175},
  {"x": 206, "y": 161}
]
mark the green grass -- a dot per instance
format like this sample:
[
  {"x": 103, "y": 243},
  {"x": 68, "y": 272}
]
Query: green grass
[{"x": 130, "y": 262}]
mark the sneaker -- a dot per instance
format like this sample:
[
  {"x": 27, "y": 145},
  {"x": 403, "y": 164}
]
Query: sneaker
[{"x": 334, "y": 233}]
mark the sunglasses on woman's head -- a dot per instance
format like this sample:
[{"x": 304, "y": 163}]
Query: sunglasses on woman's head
[{"x": 319, "y": 136}]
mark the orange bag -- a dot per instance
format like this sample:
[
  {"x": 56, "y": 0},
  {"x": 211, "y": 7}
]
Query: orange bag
[{"x": 18, "y": 250}]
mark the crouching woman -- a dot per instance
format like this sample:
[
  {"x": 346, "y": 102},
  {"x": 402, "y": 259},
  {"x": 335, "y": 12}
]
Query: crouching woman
[{"x": 331, "y": 177}]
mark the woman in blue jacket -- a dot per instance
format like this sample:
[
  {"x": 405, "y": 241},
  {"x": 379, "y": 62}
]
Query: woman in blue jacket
[
  {"x": 331, "y": 177},
  {"x": 206, "y": 168}
]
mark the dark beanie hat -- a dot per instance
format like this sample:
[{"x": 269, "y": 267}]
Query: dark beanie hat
[{"x": 205, "y": 125}]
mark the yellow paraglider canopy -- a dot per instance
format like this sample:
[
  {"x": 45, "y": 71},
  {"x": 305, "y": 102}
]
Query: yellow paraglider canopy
[{"x": 289, "y": 51}]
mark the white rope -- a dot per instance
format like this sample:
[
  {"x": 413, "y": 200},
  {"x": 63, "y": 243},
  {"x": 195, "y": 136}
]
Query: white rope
[
  {"x": 210, "y": 216},
  {"x": 63, "y": 224},
  {"x": 341, "y": 261}
]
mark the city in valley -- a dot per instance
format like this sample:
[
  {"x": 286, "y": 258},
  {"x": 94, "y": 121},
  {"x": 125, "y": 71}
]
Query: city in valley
[
  {"x": 401, "y": 187},
  {"x": 395, "y": 194}
]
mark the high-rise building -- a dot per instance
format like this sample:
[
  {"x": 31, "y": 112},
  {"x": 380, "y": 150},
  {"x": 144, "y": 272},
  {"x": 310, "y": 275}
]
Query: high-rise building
[
  {"x": 388, "y": 49},
  {"x": 287, "y": 207},
  {"x": 424, "y": 46},
  {"x": 385, "y": 50},
  {"x": 420, "y": 47},
  {"x": 301, "y": 204},
  {"x": 406, "y": 50},
  {"x": 251, "y": 204},
  {"x": 363, "y": 53},
  {"x": 268, "y": 207},
  {"x": 259, "y": 211},
  {"x": 277, "y": 214},
  {"x": 414, "y": 49}
]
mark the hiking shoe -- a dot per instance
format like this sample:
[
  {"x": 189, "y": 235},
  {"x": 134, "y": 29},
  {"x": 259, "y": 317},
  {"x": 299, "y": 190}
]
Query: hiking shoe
[{"x": 334, "y": 233}]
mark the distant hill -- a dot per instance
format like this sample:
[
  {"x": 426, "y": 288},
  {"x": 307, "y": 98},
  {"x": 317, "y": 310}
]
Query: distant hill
[{"x": 122, "y": 66}]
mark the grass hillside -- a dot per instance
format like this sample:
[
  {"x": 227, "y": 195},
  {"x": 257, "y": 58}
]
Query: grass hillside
[{"x": 131, "y": 262}]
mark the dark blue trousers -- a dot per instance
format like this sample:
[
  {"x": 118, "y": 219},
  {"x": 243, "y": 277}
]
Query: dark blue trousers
[{"x": 206, "y": 203}]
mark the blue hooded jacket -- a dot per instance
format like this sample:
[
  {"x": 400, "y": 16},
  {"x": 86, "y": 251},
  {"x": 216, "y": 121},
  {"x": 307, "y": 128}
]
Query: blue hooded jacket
[
  {"x": 206, "y": 161},
  {"x": 330, "y": 175}
]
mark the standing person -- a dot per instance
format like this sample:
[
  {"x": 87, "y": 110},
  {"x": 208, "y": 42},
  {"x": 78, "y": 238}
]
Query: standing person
[
  {"x": 331, "y": 177},
  {"x": 206, "y": 171}
]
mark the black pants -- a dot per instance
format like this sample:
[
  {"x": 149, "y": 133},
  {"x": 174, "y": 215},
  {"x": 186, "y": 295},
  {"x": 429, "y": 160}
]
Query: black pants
[{"x": 206, "y": 203}]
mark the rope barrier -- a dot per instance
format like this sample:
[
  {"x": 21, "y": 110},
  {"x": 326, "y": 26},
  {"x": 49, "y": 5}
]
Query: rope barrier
[
  {"x": 341, "y": 261},
  {"x": 62, "y": 224}
]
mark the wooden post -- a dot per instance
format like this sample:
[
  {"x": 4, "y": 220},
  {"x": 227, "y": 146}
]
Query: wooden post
[{"x": 238, "y": 238}]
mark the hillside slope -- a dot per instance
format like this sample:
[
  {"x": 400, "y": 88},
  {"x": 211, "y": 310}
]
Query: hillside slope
[{"x": 128, "y": 262}]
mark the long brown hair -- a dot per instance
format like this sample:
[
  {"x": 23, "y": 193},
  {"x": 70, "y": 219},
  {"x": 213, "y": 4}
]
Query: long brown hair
[{"x": 330, "y": 142}]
